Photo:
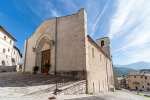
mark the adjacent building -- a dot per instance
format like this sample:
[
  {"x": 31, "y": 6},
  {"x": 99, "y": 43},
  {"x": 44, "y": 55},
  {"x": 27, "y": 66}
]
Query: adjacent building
[
  {"x": 9, "y": 54},
  {"x": 63, "y": 42},
  {"x": 139, "y": 80}
]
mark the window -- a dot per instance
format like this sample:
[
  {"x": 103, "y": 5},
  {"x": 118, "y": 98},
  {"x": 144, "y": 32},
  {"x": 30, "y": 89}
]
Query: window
[
  {"x": 93, "y": 52},
  {"x": 141, "y": 76},
  {"x": 7, "y": 63},
  {"x": 14, "y": 52},
  {"x": 134, "y": 76},
  {"x": 129, "y": 76},
  {"x": 145, "y": 77},
  {"x": 10, "y": 41},
  {"x": 147, "y": 83},
  {"x": 142, "y": 86},
  {"x": 3, "y": 50},
  {"x": 4, "y": 37},
  {"x": 100, "y": 58},
  {"x": 8, "y": 50},
  {"x": 6, "y": 56}
]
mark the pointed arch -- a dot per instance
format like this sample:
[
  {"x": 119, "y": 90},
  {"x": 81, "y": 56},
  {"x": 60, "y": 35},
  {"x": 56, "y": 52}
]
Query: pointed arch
[{"x": 39, "y": 45}]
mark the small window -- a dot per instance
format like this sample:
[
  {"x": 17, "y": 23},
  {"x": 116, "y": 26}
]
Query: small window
[
  {"x": 10, "y": 41},
  {"x": 100, "y": 58},
  {"x": 134, "y": 76},
  {"x": 93, "y": 52},
  {"x": 141, "y": 76},
  {"x": 4, "y": 37},
  {"x": 14, "y": 52},
  {"x": 145, "y": 77},
  {"x": 8, "y": 50},
  {"x": 147, "y": 83},
  {"x": 7, "y": 63},
  {"x": 3, "y": 50},
  {"x": 142, "y": 86},
  {"x": 6, "y": 56},
  {"x": 129, "y": 76}
]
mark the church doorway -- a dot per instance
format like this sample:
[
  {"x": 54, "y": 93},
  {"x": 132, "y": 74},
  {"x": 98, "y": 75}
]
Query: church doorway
[
  {"x": 45, "y": 59},
  {"x": 46, "y": 53}
]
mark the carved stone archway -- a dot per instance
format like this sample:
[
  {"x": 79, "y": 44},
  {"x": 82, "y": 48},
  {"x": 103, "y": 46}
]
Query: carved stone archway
[{"x": 40, "y": 43}]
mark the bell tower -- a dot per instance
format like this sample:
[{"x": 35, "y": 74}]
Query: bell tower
[{"x": 104, "y": 43}]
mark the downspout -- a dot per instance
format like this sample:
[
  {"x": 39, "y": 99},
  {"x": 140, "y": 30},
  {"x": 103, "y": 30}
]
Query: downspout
[
  {"x": 107, "y": 73},
  {"x": 25, "y": 55},
  {"x": 56, "y": 54}
]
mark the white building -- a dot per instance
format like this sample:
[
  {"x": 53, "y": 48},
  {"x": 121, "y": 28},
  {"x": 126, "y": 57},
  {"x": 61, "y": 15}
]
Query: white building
[{"x": 9, "y": 54}]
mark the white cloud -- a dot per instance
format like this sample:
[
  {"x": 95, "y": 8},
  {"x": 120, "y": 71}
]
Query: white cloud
[
  {"x": 94, "y": 28},
  {"x": 44, "y": 9},
  {"x": 131, "y": 27}
]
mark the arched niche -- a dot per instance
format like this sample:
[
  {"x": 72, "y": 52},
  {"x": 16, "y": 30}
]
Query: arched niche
[{"x": 3, "y": 65}]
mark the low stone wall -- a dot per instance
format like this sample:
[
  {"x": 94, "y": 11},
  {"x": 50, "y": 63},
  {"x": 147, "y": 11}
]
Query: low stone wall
[
  {"x": 8, "y": 68},
  {"x": 75, "y": 88}
]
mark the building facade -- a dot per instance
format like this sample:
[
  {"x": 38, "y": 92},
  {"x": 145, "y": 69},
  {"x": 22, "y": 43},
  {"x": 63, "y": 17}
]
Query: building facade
[
  {"x": 64, "y": 44},
  {"x": 9, "y": 54},
  {"x": 139, "y": 80}
]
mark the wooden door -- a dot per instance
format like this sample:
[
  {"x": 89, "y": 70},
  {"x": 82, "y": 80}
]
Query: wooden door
[{"x": 45, "y": 59}]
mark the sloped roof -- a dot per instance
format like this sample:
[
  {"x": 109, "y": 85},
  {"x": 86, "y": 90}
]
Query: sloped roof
[
  {"x": 18, "y": 51},
  {"x": 98, "y": 46},
  {"x": 139, "y": 73},
  {"x": 8, "y": 33}
]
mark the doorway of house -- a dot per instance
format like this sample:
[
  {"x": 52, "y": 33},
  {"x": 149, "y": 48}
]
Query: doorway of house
[
  {"x": 45, "y": 59},
  {"x": 136, "y": 88}
]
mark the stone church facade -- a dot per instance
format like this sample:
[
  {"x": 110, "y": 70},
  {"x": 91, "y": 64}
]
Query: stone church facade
[{"x": 63, "y": 42}]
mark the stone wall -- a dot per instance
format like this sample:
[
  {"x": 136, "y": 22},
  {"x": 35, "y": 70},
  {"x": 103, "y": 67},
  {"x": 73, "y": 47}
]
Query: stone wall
[
  {"x": 72, "y": 74},
  {"x": 75, "y": 88},
  {"x": 8, "y": 68},
  {"x": 71, "y": 51},
  {"x": 100, "y": 69},
  {"x": 117, "y": 85}
]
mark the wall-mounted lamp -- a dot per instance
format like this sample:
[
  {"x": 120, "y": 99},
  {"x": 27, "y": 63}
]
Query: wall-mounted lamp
[
  {"x": 52, "y": 43},
  {"x": 33, "y": 49}
]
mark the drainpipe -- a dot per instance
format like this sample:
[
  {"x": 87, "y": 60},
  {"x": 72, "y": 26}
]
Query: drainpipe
[
  {"x": 56, "y": 56},
  {"x": 25, "y": 55}
]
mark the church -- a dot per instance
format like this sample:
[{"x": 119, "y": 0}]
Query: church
[{"x": 63, "y": 42}]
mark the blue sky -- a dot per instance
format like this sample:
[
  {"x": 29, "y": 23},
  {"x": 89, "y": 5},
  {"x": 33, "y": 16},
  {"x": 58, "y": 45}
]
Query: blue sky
[{"x": 126, "y": 22}]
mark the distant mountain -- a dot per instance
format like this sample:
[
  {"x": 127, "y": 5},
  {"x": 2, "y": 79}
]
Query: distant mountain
[
  {"x": 136, "y": 66},
  {"x": 122, "y": 70}
]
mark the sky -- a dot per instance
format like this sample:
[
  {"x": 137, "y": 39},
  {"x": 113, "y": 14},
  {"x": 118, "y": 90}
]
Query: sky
[{"x": 126, "y": 22}]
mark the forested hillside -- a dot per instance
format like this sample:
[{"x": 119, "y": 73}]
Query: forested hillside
[{"x": 122, "y": 70}]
